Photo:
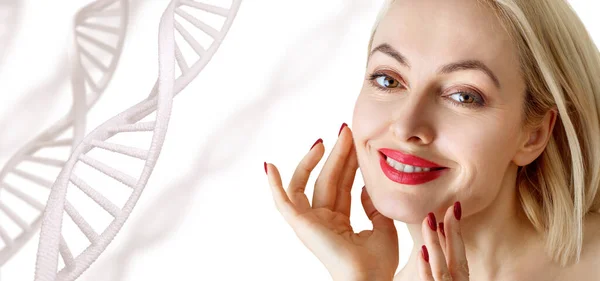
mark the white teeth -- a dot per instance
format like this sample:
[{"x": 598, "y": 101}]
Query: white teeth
[
  {"x": 397, "y": 166},
  {"x": 405, "y": 168}
]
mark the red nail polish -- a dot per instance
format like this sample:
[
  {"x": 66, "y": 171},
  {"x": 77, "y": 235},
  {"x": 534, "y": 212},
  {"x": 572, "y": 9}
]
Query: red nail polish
[
  {"x": 424, "y": 253},
  {"x": 343, "y": 125},
  {"x": 441, "y": 226},
  {"x": 457, "y": 210},
  {"x": 266, "y": 168},
  {"x": 318, "y": 141},
  {"x": 431, "y": 221}
]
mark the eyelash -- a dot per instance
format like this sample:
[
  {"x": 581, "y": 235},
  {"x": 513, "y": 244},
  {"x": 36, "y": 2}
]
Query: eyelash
[{"x": 479, "y": 102}]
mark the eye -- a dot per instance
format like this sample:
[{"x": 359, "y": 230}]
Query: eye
[
  {"x": 383, "y": 81},
  {"x": 387, "y": 81},
  {"x": 465, "y": 98}
]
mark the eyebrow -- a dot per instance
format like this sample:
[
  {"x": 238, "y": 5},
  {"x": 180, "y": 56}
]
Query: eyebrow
[{"x": 448, "y": 68}]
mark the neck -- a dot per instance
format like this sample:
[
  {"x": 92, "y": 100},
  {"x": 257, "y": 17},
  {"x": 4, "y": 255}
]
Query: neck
[{"x": 493, "y": 236}]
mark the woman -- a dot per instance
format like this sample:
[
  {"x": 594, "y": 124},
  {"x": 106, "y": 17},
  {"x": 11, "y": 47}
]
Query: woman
[{"x": 478, "y": 126}]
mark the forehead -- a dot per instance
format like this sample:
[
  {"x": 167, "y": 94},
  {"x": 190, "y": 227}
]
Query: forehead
[{"x": 435, "y": 32}]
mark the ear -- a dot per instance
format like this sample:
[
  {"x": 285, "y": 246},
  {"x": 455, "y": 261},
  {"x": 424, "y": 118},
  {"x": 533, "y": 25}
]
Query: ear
[{"x": 536, "y": 139}]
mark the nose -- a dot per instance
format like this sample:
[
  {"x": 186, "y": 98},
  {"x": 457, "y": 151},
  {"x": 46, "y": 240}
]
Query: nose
[{"x": 413, "y": 120}]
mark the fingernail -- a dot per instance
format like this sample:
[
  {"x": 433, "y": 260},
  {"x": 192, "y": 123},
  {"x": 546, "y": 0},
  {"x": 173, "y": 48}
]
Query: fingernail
[
  {"x": 266, "y": 168},
  {"x": 441, "y": 226},
  {"x": 424, "y": 253},
  {"x": 318, "y": 141},
  {"x": 457, "y": 210},
  {"x": 431, "y": 221},
  {"x": 343, "y": 125}
]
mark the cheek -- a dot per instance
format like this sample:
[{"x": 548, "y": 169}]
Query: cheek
[
  {"x": 368, "y": 123},
  {"x": 483, "y": 149},
  {"x": 369, "y": 118}
]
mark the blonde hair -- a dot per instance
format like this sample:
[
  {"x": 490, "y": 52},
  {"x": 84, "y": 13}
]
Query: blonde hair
[{"x": 560, "y": 65}]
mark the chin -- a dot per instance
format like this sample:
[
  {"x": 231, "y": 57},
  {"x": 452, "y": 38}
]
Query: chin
[{"x": 402, "y": 207}]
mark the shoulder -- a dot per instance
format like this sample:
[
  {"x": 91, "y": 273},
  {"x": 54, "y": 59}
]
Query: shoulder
[{"x": 588, "y": 267}]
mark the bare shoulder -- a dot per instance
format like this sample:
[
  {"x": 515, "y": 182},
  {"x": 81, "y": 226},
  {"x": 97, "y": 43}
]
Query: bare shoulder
[{"x": 588, "y": 267}]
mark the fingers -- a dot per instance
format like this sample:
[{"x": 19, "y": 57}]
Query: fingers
[
  {"x": 380, "y": 222},
  {"x": 444, "y": 256},
  {"x": 437, "y": 260},
  {"x": 442, "y": 236},
  {"x": 300, "y": 177},
  {"x": 282, "y": 202},
  {"x": 425, "y": 273},
  {"x": 343, "y": 198},
  {"x": 326, "y": 185},
  {"x": 457, "y": 258}
]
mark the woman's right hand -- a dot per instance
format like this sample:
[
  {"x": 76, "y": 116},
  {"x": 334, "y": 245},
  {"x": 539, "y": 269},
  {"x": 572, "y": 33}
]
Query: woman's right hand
[{"x": 324, "y": 228}]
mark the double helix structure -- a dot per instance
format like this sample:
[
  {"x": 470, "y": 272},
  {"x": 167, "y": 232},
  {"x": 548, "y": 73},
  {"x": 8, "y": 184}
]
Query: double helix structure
[
  {"x": 183, "y": 26},
  {"x": 93, "y": 58}
]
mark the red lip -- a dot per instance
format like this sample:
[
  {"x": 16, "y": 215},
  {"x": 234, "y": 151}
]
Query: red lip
[
  {"x": 408, "y": 159},
  {"x": 408, "y": 178}
]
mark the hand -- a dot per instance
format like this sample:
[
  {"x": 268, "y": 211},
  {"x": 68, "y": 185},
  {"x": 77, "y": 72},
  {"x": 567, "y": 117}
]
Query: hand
[
  {"x": 324, "y": 228},
  {"x": 443, "y": 257}
]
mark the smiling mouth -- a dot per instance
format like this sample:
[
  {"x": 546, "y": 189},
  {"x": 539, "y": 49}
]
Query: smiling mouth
[
  {"x": 407, "y": 174},
  {"x": 405, "y": 168}
]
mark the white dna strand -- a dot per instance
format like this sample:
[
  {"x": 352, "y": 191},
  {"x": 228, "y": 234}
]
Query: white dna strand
[
  {"x": 151, "y": 115},
  {"x": 23, "y": 191}
]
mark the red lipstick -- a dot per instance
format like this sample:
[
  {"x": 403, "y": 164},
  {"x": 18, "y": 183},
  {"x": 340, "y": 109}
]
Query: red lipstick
[
  {"x": 409, "y": 178},
  {"x": 408, "y": 159}
]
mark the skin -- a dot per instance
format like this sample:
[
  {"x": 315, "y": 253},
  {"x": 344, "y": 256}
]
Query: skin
[{"x": 417, "y": 110}]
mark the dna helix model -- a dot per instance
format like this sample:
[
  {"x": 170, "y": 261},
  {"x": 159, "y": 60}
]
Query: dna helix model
[
  {"x": 151, "y": 115},
  {"x": 91, "y": 72}
]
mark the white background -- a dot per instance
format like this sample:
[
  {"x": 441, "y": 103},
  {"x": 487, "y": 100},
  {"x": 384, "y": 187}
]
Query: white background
[{"x": 287, "y": 74}]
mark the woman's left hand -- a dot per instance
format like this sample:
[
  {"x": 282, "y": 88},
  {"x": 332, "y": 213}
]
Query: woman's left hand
[{"x": 443, "y": 256}]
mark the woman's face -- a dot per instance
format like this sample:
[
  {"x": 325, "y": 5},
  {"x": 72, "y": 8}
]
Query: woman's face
[{"x": 442, "y": 84}]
